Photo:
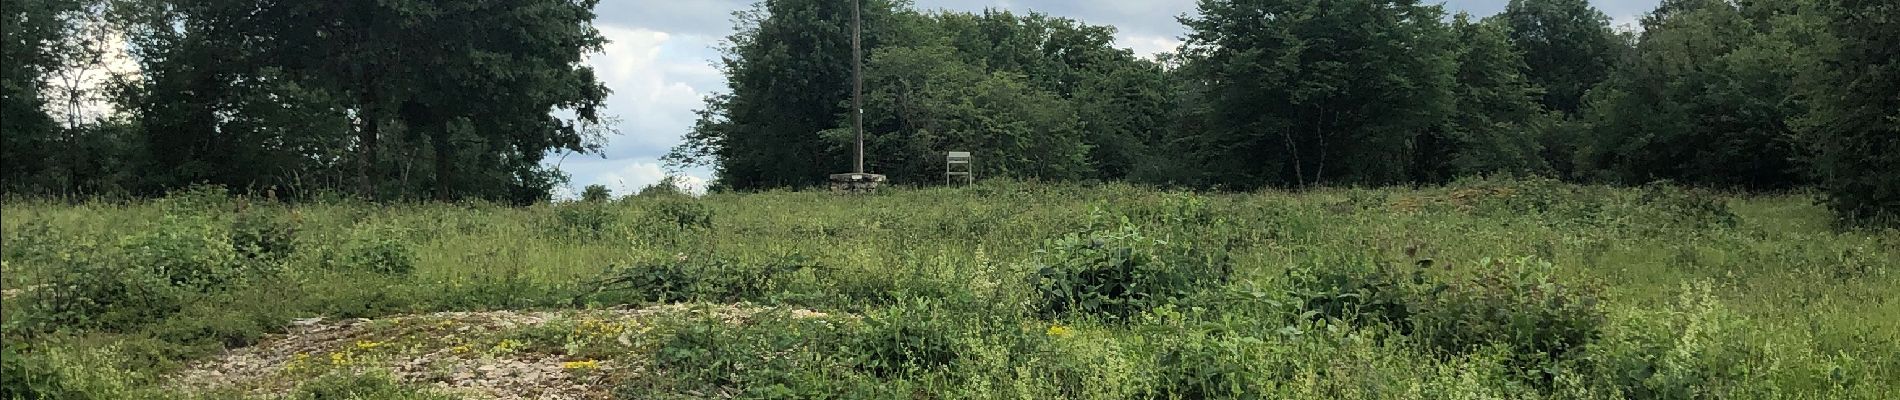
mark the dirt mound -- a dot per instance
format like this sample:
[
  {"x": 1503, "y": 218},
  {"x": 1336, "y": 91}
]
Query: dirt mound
[{"x": 471, "y": 354}]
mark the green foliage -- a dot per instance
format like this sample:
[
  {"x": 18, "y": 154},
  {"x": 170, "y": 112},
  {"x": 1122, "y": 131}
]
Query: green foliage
[
  {"x": 772, "y": 355},
  {"x": 187, "y": 251},
  {"x": 264, "y": 233},
  {"x": 587, "y": 220},
  {"x": 685, "y": 279},
  {"x": 922, "y": 293},
  {"x": 1303, "y": 92},
  {"x": 1117, "y": 274},
  {"x": 1495, "y": 119},
  {"x": 1705, "y": 98},
  {"x": 1568, "y": 47},
  {"x": 379, "y": 248},
  {"x": 596, "y": 193},
  {"x": 371, "y": 385},
  {"x": 1517, "y": 304},
  {"x": 86, "y": 286},
  {"x": 1854, "y": 128},
  {"x": 32, "y": 372},
  {"x": 1356, "y": 291},
  {"x": 680, "y": 213},
  {"x": 908, "y": 338}
]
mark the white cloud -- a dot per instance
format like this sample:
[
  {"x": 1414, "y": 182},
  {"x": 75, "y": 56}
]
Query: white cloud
[
  {"x": 625, "y": 176},
  {"x": 1147, "y": 46},
  {"x": 658, "y": 79}
]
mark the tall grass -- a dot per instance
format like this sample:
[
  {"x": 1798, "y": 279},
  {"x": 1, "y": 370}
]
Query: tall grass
[{"x": 1676, "y": 293}]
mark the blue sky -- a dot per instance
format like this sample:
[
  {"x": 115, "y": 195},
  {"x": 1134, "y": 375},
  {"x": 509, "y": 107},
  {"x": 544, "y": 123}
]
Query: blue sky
[{"x": 660, "y": 66}]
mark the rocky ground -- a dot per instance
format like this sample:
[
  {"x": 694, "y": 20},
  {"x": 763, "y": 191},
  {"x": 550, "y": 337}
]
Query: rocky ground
[{"x": 570, "y": 354}]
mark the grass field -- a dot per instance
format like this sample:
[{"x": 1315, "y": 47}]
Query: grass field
[{"x": 1481, "y": 289}]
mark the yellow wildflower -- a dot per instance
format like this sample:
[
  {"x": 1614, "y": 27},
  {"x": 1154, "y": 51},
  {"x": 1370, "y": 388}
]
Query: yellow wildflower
[
  {"x": 584, "y": 364},
  {"x": 1060, "y": 331},
  {"x": 461, "y": 349},
  {"x": 367, "y": 344}
]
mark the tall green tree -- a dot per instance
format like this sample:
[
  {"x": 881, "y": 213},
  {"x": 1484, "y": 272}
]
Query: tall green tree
[
  {"x": 925, "y": 100},
  {"x": 1705, "y": 98},
  {"x": 1568, "y": 47},
  {"x": 1304, "y": 92},
  {"x": 1120, "y": 98},
  {"x": 415, "y": 65},
  {"x": 789, "y": 66},
  {"x": 29, "y": 32},
  {"x": 1854, "y": 128},
  {"x": 1496, "y": 115}
]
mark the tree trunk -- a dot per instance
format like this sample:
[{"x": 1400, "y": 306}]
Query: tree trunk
[
  {"x": 444, "y": 161},
  {"x": 366, "y": 154}
]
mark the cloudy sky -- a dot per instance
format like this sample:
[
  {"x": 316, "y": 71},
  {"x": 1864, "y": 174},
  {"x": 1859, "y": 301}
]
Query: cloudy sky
[{"x": 660, "y": 65}]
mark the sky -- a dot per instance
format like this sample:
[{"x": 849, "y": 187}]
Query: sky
[{"x": 660, "y": 66}]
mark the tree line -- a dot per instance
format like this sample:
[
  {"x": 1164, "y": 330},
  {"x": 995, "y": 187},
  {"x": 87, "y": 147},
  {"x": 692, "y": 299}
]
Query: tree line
[
  {"x": 440, "y": 99},
  {"x": 384, "y": 99},
  {"x": 1739, "y": 94}
]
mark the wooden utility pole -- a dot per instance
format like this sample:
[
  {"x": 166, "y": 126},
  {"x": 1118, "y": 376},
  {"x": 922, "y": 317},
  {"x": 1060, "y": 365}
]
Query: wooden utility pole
[
  {"x": 857, "y": 84},
  {"x": 857, "y": 181}
]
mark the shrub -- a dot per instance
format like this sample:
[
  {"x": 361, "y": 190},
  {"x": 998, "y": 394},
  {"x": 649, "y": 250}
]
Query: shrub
[
  {"x": 33, "y": 240},
  {"x": 908, "y": 337},
  {"x": 657, "y": 282},
  {"x": 1118, "y": 274},
  {"x": 1357, "y": 291},
  {"x": 378, "y": 248},
  {"x": 585, "y": 220},
  {"x": 92, "y": 288},
  {"x": 263, "y": 235},
  {"x": 188, "y": 251},
  {"x": 1513, "y": 303},
  {"x": 52, "y": 372},
  {"x": 1674, "y": 206},
  {"x": 771, "y": 354},
  {"x": 684, "y": 213},
  {"x": 685, "y": 279}
]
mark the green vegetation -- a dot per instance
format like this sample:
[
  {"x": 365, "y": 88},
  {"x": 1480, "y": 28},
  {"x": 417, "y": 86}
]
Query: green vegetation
[{"x": 1498, "y": 288}]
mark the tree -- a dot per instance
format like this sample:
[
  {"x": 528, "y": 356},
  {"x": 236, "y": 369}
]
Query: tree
[
  {"x": 31, "y": 30},
  {"x": 1304, "y": 92},
  {"x": 789, "y": 65},
  {"x": 1496, "y": 114},
  {"x": 1854, "y": 127},
  {"x": 415, "y": 65},
  {"x": 1704, "y": 98},
  {"x": 927, "y": 101},
  {"x": 1568, "y": 47},
  {"x": 596, "y": 193}
]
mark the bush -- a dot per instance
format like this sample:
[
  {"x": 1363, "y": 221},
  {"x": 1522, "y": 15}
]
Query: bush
[
  {"x": 63, "y": 373},
  {"x": 378, "y": 248},
  {"x": 92, "y": 288},
  {"x": 264, "y": 235},
  {"x": 685, "y": 279},
  {"x": 906, "y": 338},
  {"x": 585, "y": 220},
  {"x": 1674, "y": 206},
  {"x": 1357, "y": 291},
  {"x": 1118, "y": 274},
  {"x": 1513, "y": 303},
  {"x": 188, "y": 251},
  {"x": 771, "y": 354},
  {"x": 684, "y": 213}
]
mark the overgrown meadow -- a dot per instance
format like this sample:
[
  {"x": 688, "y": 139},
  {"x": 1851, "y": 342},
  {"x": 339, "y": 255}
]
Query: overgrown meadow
[{"x": 1480, "y": 289}]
